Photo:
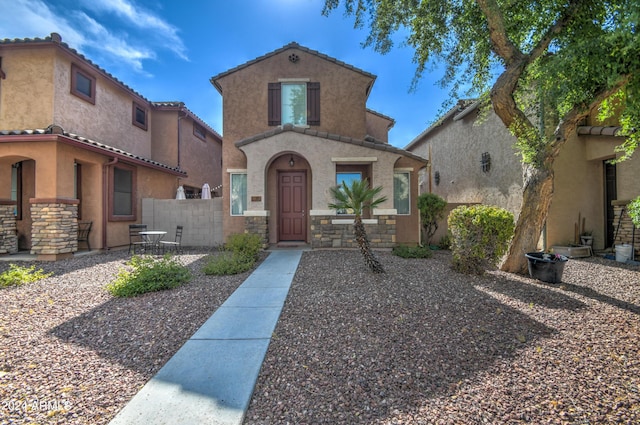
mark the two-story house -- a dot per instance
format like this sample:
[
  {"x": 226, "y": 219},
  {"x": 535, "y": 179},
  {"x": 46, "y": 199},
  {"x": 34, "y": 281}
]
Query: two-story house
[
  {"x": 78, "y": 144},
  {"x": 296, "y": 124}
]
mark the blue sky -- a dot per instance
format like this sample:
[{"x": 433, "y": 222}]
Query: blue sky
[{"x": 168, "y": 50}]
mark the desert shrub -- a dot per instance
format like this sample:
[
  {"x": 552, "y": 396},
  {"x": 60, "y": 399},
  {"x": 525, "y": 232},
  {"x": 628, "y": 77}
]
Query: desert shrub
[
  {"x": 19, "y": 275},
  {"x": 227, "y": 263},
  {"x": 147, "y": 274},
  {"x": 445, "y": 241},
  {"x": 480, "y": 236},
  {"x": 406, "y": 251},
  {"x": 431, "y": 208},
  {"x": 246, "y": 245}
]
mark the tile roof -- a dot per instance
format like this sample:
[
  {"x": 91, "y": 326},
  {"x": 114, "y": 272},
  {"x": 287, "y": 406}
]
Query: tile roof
[
  {"x": 369, "y": 142},
  {"x": 182, "y": 106},
  {"x": 92, "y": 144},
  {"x": 393, "y": 122},
  {"x": 292, "y": 45}
]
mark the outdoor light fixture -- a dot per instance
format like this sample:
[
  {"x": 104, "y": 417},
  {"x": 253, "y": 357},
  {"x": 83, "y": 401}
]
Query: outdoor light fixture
[
  {"x": 436, "y": 177},
  {"x": 485, "y": 162},
  {"x": 291, "y": 162}
]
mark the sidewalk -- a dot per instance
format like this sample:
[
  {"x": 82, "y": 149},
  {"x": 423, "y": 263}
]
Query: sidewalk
[{"x": 210, "y": 380}]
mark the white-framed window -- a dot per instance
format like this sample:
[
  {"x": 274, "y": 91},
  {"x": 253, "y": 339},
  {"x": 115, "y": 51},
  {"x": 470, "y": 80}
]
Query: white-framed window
[
  {"x": 347, "y": 177},
  {"x": 401, "y": 192},
  {"x": 238, "y": 196},
  {"x": 294, "y": 103}
]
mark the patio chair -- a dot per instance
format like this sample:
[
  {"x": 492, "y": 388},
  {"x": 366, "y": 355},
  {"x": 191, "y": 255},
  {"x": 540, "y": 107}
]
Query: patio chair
[
  {"x": 176, "y": 244},
  {"x": 84, "y": 228},
  {"x": 136, "y": 241}
]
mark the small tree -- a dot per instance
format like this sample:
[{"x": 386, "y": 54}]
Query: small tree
[
  {"x": 634, "y": 211},
  {"x": 356, "y": 198},
  {"x": 480, "y": 236},
  {"x": 431, "y": 208}
]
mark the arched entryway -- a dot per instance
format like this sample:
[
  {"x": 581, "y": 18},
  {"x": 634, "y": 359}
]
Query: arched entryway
[{"x": 289, "y": 198}]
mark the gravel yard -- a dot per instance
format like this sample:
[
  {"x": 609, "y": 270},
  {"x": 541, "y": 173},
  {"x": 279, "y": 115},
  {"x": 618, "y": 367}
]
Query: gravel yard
[{"x": 420, "y": 344}]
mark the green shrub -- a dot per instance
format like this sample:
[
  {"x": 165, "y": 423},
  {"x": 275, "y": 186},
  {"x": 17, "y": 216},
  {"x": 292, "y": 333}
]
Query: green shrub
[
  {"x": 431, "y": 208},
  {"x": 634, "y": 211},
  {"x": 147, "y": 274},
  {"x": 405, "y": 251},
  {"x": 246, "y": 245},
  {"x": 480, "y": 236},
  {"x": 19, "y": 275},
  {"x": 227, "y": 263}
]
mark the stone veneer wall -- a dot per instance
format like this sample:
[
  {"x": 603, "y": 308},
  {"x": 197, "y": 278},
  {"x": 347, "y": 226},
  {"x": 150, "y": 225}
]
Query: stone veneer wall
[
  {"x": 54, "y": 228},
  {"x": 8, "y": 229},
  {"x": 325, "y": 234},
  {"x": 625, "y": 229},
  {"x": 258, "y": 225}
]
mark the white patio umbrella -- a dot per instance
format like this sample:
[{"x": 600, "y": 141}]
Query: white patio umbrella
[
  {"x": 180, "y": 193},
  {"x": 206, "y": 191}
]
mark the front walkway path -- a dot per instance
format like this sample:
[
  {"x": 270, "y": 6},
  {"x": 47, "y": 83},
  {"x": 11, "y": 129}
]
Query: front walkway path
[{"x": 210, "y": 380}]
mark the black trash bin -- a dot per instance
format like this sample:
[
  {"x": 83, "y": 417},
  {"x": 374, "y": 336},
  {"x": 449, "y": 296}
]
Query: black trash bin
[{"x": 546, "y": 267}]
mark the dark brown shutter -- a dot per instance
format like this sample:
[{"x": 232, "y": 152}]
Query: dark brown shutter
[
  {"x": 274, "y": 104},
  {"x": 313, "y": 103}
]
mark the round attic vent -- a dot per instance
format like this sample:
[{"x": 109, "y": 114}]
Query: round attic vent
[{"x": 293, "y": 58}]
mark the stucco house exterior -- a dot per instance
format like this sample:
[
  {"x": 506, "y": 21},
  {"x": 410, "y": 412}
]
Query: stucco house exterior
[
  {"x": 473, "y": 160},
  {"x": 78, "y": 144},
  {"x": 295, "y": 124}
]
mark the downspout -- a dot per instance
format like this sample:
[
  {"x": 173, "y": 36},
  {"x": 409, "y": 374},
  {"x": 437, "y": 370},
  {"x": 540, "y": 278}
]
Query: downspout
[{"x": 105, "y": 199}]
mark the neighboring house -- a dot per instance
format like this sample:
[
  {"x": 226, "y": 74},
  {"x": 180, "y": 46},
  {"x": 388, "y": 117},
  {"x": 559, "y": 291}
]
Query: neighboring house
[
  {"x": 295, "y": 125},
  {"x": 77, "y": 144},
  {"x": 473, "y": 160}
]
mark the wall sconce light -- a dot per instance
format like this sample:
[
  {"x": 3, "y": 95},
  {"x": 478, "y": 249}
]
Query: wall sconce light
[
  {"x": 436, "y": 177},
  {"x": 485, "y": 162},
  {"x": 291, "y": 162}
]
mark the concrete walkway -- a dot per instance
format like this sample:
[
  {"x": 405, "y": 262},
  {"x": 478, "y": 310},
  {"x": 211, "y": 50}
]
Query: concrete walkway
[{"x": 210, "y": 380}]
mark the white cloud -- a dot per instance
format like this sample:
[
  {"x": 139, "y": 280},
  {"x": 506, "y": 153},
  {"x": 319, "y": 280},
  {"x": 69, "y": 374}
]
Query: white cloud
[
  {"x": 101, "y": 39},
  {"x": 166, "y": 33},
  {"x": 33, "y": 18}
]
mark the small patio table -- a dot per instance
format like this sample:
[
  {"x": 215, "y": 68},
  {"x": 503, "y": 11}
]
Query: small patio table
[{"x": 152, "y": 239}]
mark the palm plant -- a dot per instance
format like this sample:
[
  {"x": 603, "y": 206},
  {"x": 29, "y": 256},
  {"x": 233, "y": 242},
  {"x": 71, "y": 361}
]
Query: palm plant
[{"x": 356, "y": 198}]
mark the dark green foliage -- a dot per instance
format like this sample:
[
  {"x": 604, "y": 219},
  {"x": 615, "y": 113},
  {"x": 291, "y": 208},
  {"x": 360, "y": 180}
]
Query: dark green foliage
[
  {"x": 431, "y": 208},
  {"x": 445, "y": 241},
  {"x": 246, "y": 245},
  {"x": 405, "y": 251},
  {"x": 480, "y": 235},
  {"x": 634, "y": 211},
  {"x": 227, "y": 263},
  {"x": 18, "y": 275},
  {"x": 147, "y": 274},
  {"x": 240, "y": 255}
]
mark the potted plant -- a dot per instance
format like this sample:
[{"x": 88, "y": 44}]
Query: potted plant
[{"x": 547, "y": 267}]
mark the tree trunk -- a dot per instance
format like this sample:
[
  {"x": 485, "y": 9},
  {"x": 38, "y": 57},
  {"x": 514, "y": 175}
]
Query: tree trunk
[
  {"x": 536, "y": 200},
  {"x": 365, "y": 249}
]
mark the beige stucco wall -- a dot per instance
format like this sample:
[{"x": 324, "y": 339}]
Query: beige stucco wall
[
  {"x": 26, "y": 95},
  {"x": 455, "y": 149},
  {"x": 201, "y": 159},
  {"x": 378, "y": 127},
  {"x": 109, "y": 120},
  {"x": 579, "y": 188},
  {"x": 164, "y": 129}
]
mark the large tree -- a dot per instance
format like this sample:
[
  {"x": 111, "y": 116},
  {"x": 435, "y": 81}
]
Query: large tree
[{"x": 544, "y": 65}]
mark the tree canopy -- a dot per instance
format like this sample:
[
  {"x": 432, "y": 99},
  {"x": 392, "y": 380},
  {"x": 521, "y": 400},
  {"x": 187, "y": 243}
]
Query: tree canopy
[{"x": 544, "y": 64}]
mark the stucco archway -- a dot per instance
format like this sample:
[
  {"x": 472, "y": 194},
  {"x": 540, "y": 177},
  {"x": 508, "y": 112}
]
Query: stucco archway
[{"x": 284, "y": 164}]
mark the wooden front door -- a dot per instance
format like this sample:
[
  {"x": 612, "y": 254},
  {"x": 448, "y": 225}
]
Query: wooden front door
[{"x": 292, "y": 198}]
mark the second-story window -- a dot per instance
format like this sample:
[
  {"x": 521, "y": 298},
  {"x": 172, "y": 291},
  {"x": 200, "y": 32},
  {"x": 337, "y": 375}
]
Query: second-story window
[
  {"x": 139, "y": 116},
  {"x": 83, "y": 84},
  {"x": 296, "y": 103}
]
